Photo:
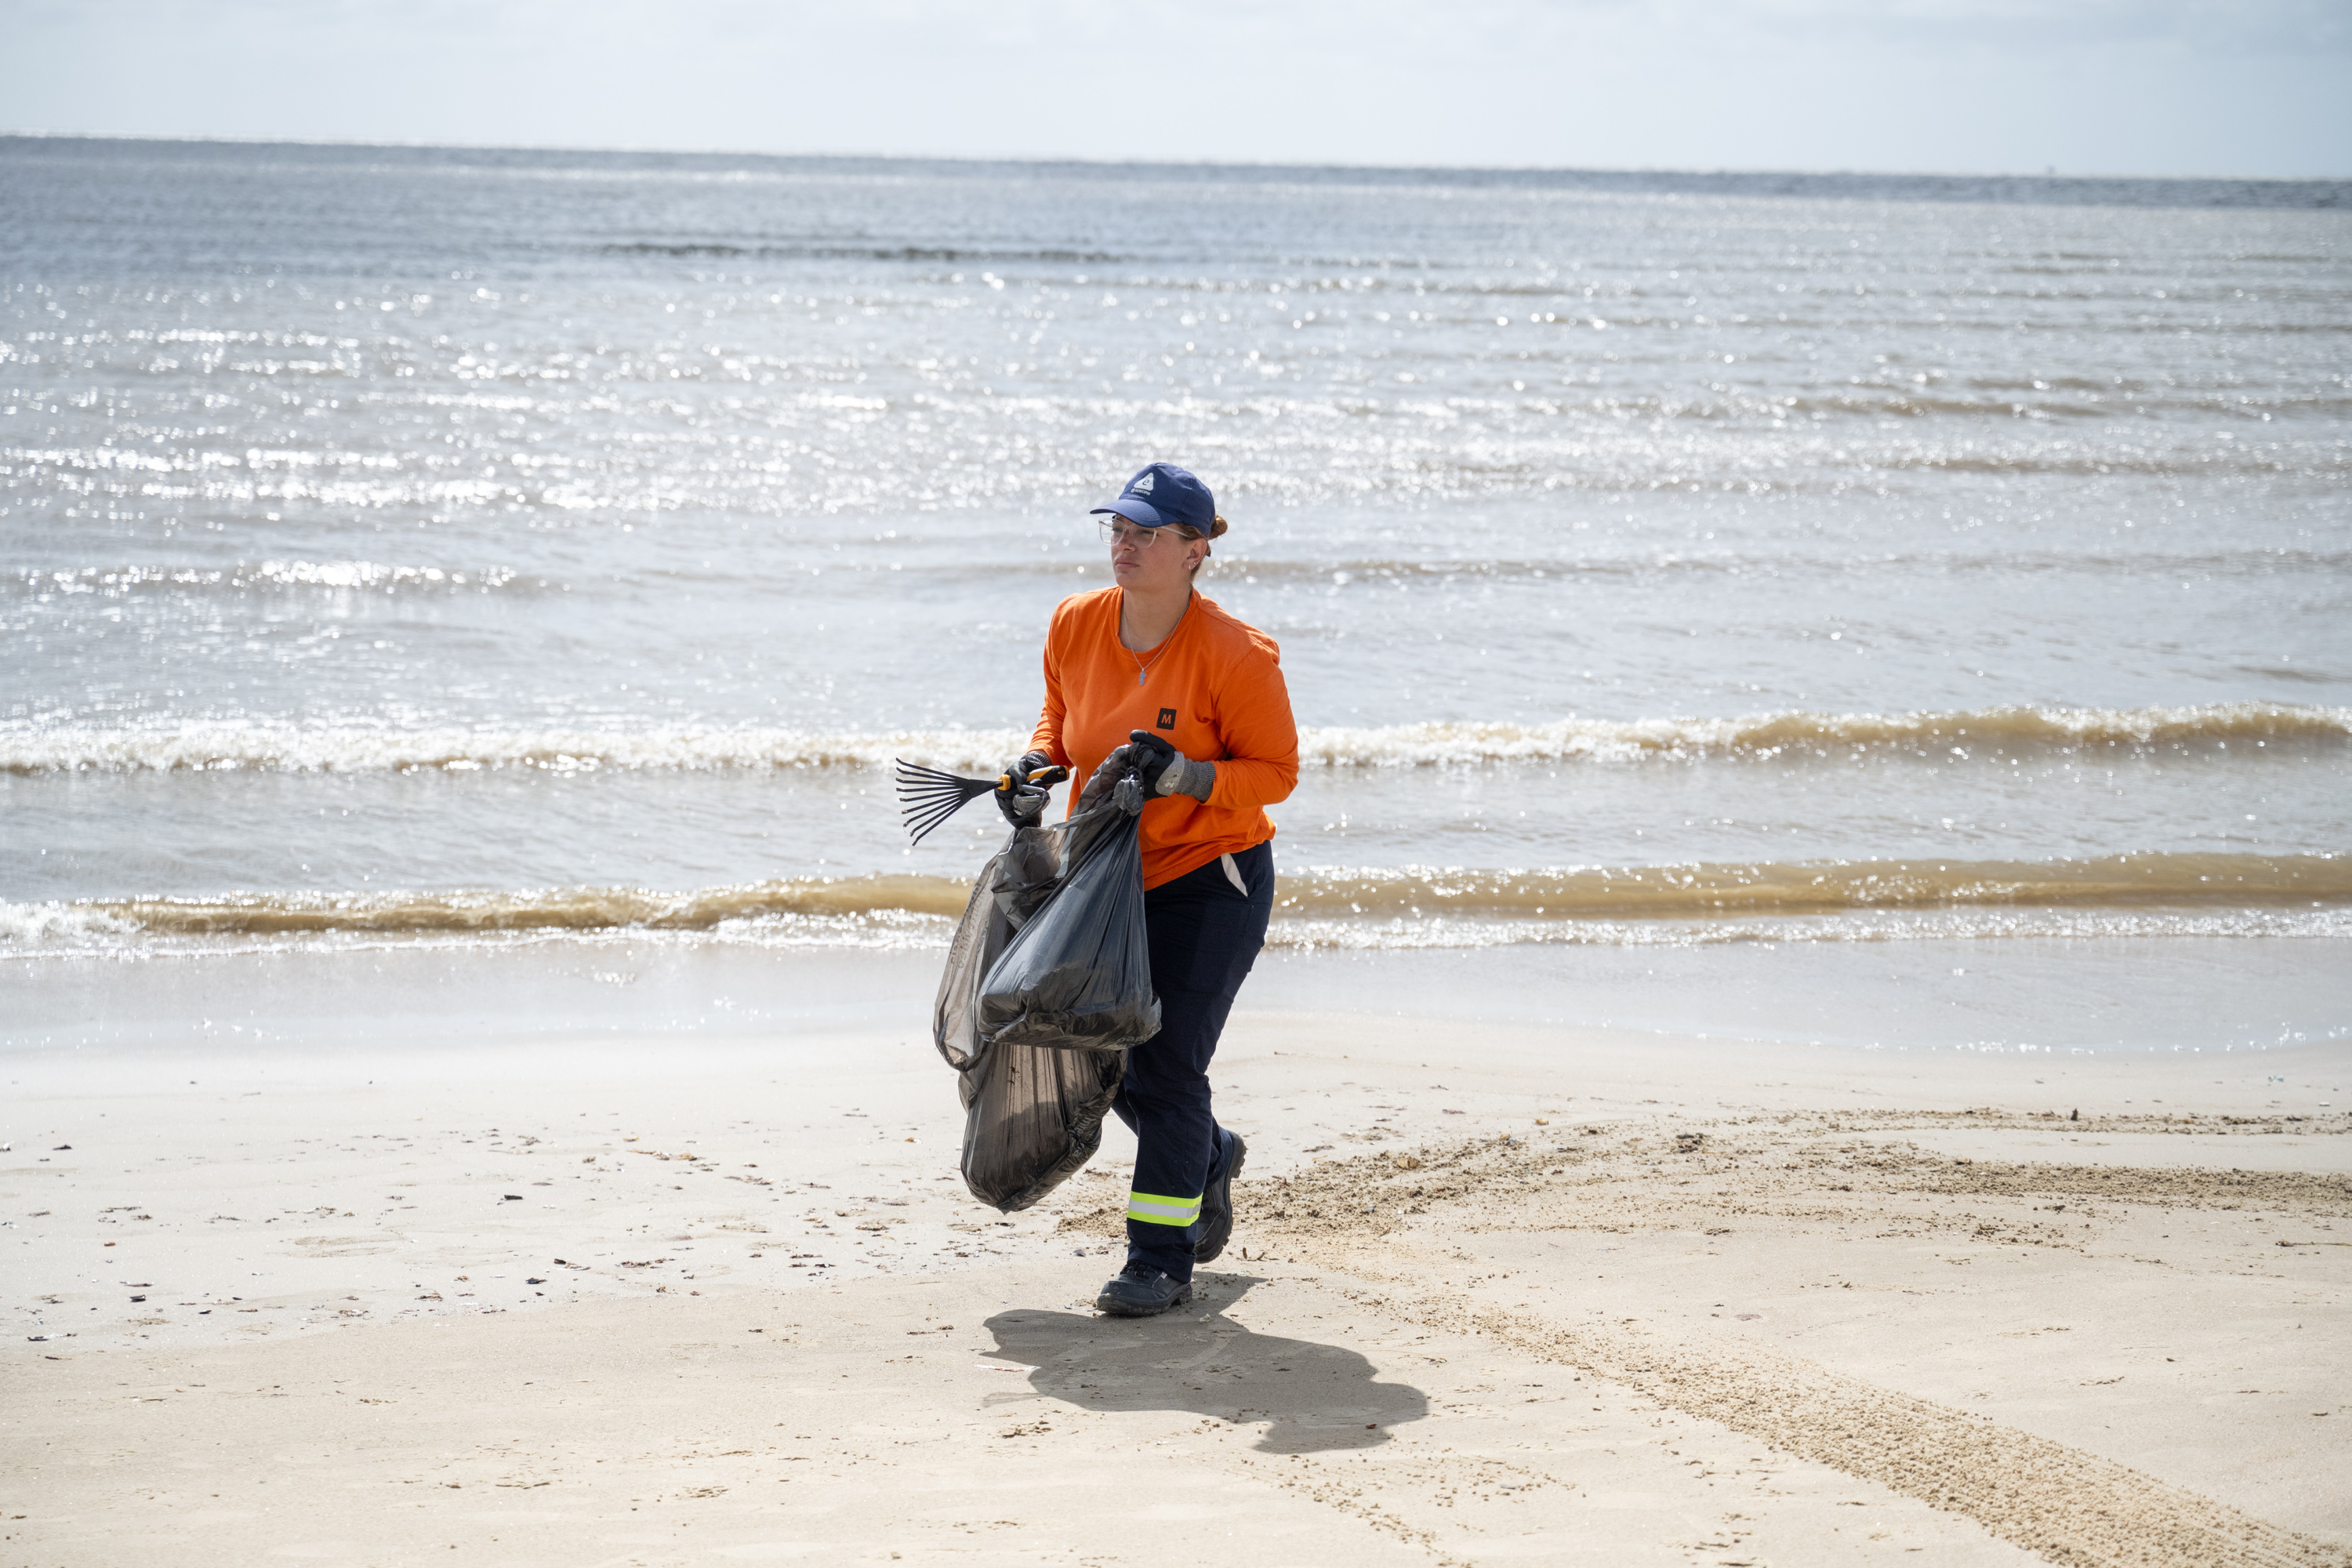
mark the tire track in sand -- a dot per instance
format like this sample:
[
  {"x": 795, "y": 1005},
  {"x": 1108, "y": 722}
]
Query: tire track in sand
[{"x": 2068, "y": 1505}]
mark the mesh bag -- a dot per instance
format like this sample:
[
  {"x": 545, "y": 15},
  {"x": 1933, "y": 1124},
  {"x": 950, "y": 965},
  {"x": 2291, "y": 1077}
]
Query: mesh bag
[{"x": 1048, "y": 981}]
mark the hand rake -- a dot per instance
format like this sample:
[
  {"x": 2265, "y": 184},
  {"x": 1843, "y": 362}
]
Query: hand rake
[{"x": 928, "y": 797}]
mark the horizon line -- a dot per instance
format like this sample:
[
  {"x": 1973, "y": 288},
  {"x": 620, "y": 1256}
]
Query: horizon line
[{"x": 2049, "y": 174}]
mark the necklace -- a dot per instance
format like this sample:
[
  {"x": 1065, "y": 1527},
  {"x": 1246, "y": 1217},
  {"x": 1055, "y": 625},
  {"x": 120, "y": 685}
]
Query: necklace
[{"x": 1142, "y": 665}]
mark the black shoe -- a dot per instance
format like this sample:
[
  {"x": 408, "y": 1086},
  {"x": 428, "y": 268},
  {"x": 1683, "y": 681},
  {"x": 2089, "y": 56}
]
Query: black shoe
[
  {"x": 1141, "y": 1292},
  {"x": 1217, "y": 1207}
]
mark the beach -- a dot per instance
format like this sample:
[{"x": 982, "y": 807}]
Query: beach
[
  {"x": 1501, "y": 1290},
  {"x": 1806, "y": 1008}
]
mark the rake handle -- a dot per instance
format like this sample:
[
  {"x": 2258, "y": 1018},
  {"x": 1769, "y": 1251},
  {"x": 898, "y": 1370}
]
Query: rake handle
[{"x": 1040, "y": 778}]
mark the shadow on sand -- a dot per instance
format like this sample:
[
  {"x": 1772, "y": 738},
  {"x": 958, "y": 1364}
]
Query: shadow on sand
[{"x": 1313, "y": 1397}]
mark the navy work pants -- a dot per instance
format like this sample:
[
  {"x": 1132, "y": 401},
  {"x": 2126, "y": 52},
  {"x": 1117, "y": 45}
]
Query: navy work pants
[{"x": 1205, "y": 932}]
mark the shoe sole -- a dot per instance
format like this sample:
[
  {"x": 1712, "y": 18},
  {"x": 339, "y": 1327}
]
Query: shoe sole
[
  {"x": 1118, "y": 1309},
  {"x": 1241, "y": 1155}
]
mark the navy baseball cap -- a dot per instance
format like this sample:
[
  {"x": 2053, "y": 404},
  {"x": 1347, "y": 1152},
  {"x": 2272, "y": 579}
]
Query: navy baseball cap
[{"x": 1163, "y": 493}]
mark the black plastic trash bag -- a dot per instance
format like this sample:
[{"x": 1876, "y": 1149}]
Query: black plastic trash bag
[
  {"x": 1078, "y": 974},
  {"x": 1033, "y": 1110},
  {"x": 1033, "y": 1117}
]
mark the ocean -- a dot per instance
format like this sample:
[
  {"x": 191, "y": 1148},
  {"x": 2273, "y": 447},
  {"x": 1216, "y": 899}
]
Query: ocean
[{"x": 414, "y": 547}]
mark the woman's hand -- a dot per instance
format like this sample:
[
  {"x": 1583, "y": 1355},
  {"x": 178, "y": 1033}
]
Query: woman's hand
[
  {"x": 1167, "y": 770},
  {"x": 1022, "y": 803}
]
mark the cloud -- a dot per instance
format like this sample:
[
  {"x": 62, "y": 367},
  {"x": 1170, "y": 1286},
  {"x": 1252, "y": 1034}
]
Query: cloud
[
  {"x": 2119, "y": 85},
  {"x": 2239, "y": 27}
]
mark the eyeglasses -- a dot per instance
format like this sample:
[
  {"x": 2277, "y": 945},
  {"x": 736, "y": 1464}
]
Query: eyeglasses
[{"x": 1117, "y": 530}]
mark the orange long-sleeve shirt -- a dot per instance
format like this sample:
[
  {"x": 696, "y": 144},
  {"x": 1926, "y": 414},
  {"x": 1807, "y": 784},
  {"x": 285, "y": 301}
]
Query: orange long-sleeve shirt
[{"x": 1215, "y": 691}]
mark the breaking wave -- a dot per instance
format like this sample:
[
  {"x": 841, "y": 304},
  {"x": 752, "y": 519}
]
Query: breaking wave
[
  {"x": 2117, "y": 881},
  {"x": 229, "y": 746},
  {"x": 1996, "y": 730},
  {"x": 568, "y": 909},
  {"x": 2147, "y": 893}
]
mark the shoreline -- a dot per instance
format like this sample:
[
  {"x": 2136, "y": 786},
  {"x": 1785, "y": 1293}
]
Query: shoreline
[{"x": 2025, "y": 996}]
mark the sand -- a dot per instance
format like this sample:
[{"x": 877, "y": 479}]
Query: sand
[{"x": 1526, "y": 1292}]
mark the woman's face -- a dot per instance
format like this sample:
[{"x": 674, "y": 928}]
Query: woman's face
[{"x": 1143, "y": 563}]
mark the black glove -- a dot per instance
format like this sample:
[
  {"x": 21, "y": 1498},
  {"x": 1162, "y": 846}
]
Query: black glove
[
  {"x": 1168, "y": 771},
  {"x": 1020, "y": 794},
  {"x": 1152, "y": 752}
]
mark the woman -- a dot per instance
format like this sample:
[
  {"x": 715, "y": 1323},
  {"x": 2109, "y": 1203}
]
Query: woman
[{"x": 1149, "y": 675}]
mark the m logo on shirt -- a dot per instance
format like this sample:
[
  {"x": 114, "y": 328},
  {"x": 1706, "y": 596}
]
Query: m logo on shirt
[{"x": 1168, "y": 718}]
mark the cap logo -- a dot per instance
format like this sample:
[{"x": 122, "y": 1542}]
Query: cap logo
[{"x": 1142, "y": 487}]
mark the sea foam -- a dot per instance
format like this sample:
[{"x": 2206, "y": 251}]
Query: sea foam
[{"x": 38, "y": 748}]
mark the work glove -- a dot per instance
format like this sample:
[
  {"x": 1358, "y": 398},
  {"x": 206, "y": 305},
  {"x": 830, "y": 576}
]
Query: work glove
[
  {"x": 1120, "y": 776},
  {"x": 1168, "y": 771},
  {"x": 1022, "y": 792}
]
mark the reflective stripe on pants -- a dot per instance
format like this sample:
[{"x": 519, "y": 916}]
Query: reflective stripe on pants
[{"x": 1152, "y": 1209}]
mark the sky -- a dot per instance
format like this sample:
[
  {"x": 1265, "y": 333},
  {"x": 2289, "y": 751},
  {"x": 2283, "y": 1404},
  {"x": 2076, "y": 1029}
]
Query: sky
[{"x": 2113, "y": 86}]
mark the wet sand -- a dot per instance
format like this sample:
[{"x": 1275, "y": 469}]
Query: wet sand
[{"x": 1604, "y": 1296}]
